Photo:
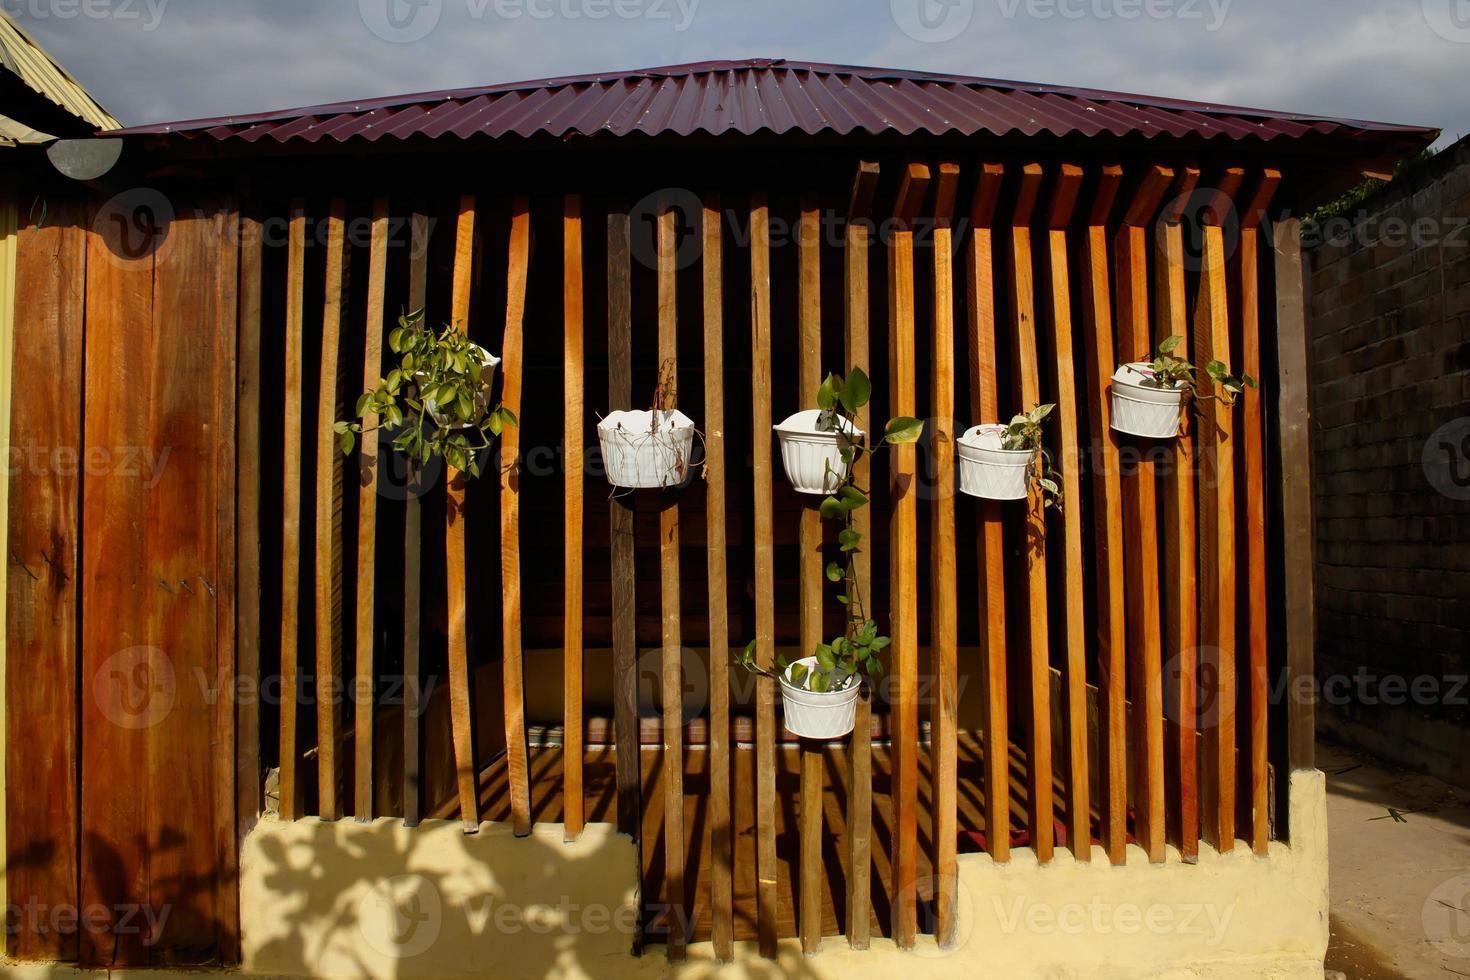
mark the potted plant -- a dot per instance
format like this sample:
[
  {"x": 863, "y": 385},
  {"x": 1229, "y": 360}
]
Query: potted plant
[
  {"x": 1002, "y": 462},
  {"x": 820, "y": 691},
  {"x": 437, "y": 399},
  {"x": 1148, "y": 396},
  {"x": 812, "y": 454},
  {"x": 648, "y": 449}
]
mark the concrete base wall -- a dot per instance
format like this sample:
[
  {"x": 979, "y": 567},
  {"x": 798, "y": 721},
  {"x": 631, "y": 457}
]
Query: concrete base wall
[{"x": 378, "y": 900}]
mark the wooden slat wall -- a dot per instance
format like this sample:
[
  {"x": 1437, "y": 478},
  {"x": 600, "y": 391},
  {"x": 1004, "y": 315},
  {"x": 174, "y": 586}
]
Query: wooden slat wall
[
  {"x": 944, "y": 614},
  {"x": 418, "y": 286},
  {"x": 574, "y": 444},
  {"x": 1068, "y": 183},
  {"x": 809, "y": 549},
  {"x": 1140, "y": 528},
  {"x": 249, "y": 798},
  {"x": 860, "y": 753},
  {"x": 765, "y": 609},
  {"x": 42, "y": 602},
  {"x": 722, "y": 855},
  {"x": 903, "y": 558},
  {"x": 1180, "y": 594},
  {"x": 985, "y": 409},
  {"x": 291, "y": 789},
  {"x": 1039, "y": 790}
]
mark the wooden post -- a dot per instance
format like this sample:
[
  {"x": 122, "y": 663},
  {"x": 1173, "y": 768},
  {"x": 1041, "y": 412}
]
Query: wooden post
[
  {"x": 624, "y": 632},
  {"x": 1097, "y": 336},
  {"x": 412, "y": 540},
  {"x": 903, "y": 559},
  {"x": 722, "y": 856},
  {"x": 673, "y": 642},
  {"x": 367, "y": 519},
  {"x": 944, "y": 600},
  {"x": 1039, "y": 791},
  {"x": 291, "y": 791},
  {"x": 249, "y": 799},
  {"x": 510, "y": 520},
  {"x": 809, "y": 549},
  {"x": 466, "y": 773},
  {"x": 1217, "y": 529},
  {"x": 765, "y": 600},
  {"x": 1296, "y": 491},
  {"x": 1180, "y": 593},
  {"x": 1253, "y": 531},
  {"x": 329, "y": 488},
  {"x": 574, "y": 447},
  {"x": 985, "y": 408},
  {"x": 860, "y": 751},
  {"x": 1140, "y": 524},
  {"x": 1069, "y": 461}
]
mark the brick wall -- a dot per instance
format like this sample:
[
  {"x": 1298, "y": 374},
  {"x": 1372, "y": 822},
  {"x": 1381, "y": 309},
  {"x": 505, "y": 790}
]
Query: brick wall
[{"x": 1389, "y": 321}]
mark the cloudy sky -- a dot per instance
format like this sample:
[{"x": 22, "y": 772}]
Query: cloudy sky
[{"x": 155, "y": 60}]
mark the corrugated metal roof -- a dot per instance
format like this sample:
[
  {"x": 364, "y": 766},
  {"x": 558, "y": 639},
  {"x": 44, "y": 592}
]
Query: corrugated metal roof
[
  {"x": 769, "y": 96},
  {"x": 28, "y": 61}
]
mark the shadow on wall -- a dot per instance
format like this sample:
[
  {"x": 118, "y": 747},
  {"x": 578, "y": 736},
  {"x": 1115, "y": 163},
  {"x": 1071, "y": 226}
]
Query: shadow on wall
[{"x": 351, "y": 899}]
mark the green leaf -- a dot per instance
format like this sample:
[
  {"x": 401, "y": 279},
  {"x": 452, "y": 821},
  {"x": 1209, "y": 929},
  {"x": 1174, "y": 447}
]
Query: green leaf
[
  {"x": 824, "y": 656},
  {"x": 881, "y": 642},
  {"x": 903, "y": 430},
  {"x": 852, "y": 497},
  {"x": 827, "y": 394},
  {"x": 857, "y": 390},
  {"x": 834, "y": 572},
  {"x": 347, "y": 441},
  {"x": 1169, "y": 345},
  {"x": 832, "y": 509}
]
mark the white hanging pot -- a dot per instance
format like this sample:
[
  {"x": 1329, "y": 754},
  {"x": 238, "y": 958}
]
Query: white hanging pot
[
  {"x": 813, "y": 458},
  {"x": 813, "y": 714},
  {"x": 1143, "y": 407},
  {"x": 489, "y": 362},
  {"x": 987, "y": 470},
  {"x": 643, "y": 450}
]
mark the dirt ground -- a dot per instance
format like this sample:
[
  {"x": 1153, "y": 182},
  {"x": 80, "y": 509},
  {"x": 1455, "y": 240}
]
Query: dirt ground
[{"x": 1400, "y": 871}]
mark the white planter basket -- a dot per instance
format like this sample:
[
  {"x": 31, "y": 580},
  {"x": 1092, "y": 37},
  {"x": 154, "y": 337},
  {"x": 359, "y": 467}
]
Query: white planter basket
[
  {"x": 813, "y": 459},
  {"x": 811, "y": 714},
  {"x": 988, "y": 471},
  {"x": 1141, "y": 409},
  {"x": 644, "y": 450},
  {"x": 487, "y": 380}
]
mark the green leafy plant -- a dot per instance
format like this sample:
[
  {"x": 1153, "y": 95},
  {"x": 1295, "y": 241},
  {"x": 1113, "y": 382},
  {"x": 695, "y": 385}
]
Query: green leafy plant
[
  {"x": 436, "y": 401},
  {"x": 1024, "y": 433},
  {"x": 1168, "y": 371},
  {"x": 855, "y": 651}
]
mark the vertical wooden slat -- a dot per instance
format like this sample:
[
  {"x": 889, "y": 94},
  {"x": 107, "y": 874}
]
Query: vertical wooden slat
[
  {"x": 1296, "y": 490},
  {"x": 1028, "y": 383},
  {"x": 367, "y": 517},
  {"x": 454, "y": 551},
  {"x": 944, "y": 614},
  {"x": 765, "y": 600},
  {"x": 668, "y": 547},
  {"x": 290, "y": 788},
  {"x": 418, "y": 284},
  {"x": 809, "y": 548},
  {"x": 985, "y": 408},
  {"x": 860, "y": 753},
  {"x": 574, "y": 444},
  {"x": 1180, "y": 594},
  {"x": 43, "y": 602},
  {"x": 722, "y": 901},
  {"x": 1254, "y": 528},
  {"x": 1097, "y": 336},
  {"x": 1141, "y": 551},
  {"x": 1069, "y": 461},
  {"x": 1217, "y": 529},
  {"x": 624, "y": 638},
  {"x": 512, "y": 677},
  {"x": 903, "y": 559},
  {"x": 330, "y": 472},
  {"x": 249, "y": 801}
]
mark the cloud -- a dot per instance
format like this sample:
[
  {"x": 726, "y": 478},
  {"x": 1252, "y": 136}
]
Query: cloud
[{"x": 1374, "y": 59}]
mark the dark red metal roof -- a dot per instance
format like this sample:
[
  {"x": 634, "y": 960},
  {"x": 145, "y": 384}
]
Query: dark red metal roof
[{"x": 771, "y": 96}]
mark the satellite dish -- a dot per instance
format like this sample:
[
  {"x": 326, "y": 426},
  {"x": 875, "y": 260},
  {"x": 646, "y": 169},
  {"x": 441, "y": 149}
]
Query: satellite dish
[{"x": 86, "y": 159}]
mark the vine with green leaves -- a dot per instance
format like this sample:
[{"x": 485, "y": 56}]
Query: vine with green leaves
[
  {"x": 855, "y": 651},
  {"x": 1024, "y": 433},
  {"x": 437, "y": 399},
  {"x": 1176, "y": 372}
]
